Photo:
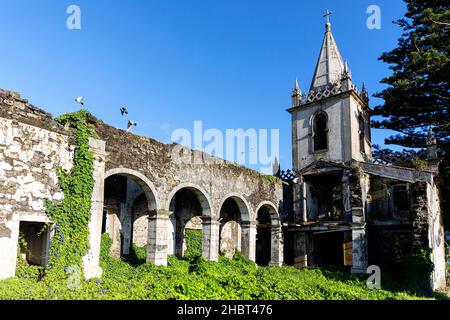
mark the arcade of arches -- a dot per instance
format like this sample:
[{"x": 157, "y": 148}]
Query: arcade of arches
[{"x": 131, "y": 217}]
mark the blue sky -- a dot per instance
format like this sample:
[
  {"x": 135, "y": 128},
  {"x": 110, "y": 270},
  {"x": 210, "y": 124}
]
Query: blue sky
[{"x": 230, "y": 64}]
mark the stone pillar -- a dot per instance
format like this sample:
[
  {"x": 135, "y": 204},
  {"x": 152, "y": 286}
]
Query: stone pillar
[
  {"x": 127, "y": 225},
  {"x": 299, "y": 201},
  {"x": 359, "y": 250},
  {"x": 297, "y": 191},
  {"x": 157, "y": 237},
  {"x": 346, "y": 196},
  {"x": 210, "y": 238},
  {"x": 92, "y": 259},
  {"x": 276, "y": 255},
  {"x": 179, "y": 237},
  {"x": 300, "y": 250},
  {"x": 304, "y": 202},
  {"x": 9, "y": 235},
  {"x": 249, "y": 239},
  {"x": 113, "y": 229},
  {"x": 360, "y": 259}
]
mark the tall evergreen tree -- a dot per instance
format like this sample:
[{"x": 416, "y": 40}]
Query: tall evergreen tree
[{"x": 418, "y": 93}]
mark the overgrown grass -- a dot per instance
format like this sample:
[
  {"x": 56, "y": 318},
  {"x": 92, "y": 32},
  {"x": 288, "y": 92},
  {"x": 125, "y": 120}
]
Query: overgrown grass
[{"x": 195, "y": 278}]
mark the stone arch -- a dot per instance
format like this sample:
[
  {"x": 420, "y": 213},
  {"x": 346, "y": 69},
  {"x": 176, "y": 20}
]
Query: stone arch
[
  {"x": 268, "y": 246},
  {"x": 142, "y": 181},
  {"x": 122, "y": 219},
  {"x": 202, "y": 196},
  {"x": 236, "y": 226},
  {"x": 185, "y": 202},
  {"x": 274, "y": 215},
  {"x": 244, "y": 207}
]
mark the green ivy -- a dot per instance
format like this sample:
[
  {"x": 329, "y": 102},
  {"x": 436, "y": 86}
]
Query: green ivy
[
  {"x": 71, "y": 215},
  {"x": 193, "y": 243},
  {"x": 419, "y": 164}
]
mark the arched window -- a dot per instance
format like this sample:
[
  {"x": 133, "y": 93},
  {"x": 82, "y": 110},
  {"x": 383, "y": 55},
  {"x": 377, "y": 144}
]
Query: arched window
[
  {"x": 362, "y": 134},
  {"x": 320, "y": 132}
]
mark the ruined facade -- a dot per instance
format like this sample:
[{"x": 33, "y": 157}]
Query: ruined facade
[
  {"x": 336, "y": 208},
  {"x": 349, "y": 211},
  {"x": 143, "y": 194}
]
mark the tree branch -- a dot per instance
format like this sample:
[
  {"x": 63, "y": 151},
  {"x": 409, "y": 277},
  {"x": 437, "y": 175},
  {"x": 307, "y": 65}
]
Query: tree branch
[
  {"x": 441, "y": 23},
  {"x": 442, "y": 97}
]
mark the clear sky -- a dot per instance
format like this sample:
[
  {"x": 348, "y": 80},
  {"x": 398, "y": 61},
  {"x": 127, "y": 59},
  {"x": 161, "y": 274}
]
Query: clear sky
[{"x": 230, "y": 64}]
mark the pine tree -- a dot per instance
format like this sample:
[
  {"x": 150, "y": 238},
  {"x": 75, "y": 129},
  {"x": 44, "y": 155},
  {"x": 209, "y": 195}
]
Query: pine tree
[{"x": 418, "y": 92}]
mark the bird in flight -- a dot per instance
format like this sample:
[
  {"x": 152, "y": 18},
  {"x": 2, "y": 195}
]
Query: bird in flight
[
  {"x": 79, "y": 100},
  {"x": 123, "y": 111},
  {"x": 131, "y": 124}
]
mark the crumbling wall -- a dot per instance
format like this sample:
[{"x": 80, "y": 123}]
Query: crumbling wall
[
  {"x": 32, "y": 146},
  {"x": 436, "y": 237},
  {"x": 155, "y": 160}
]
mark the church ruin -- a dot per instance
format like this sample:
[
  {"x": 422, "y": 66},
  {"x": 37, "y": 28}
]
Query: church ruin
[
  {"x": 337, "y": 207},
  {"x": 348, "y": 210}
]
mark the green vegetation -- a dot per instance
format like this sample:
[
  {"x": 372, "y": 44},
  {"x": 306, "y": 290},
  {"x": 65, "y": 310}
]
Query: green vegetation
[
  {"x": 193, "y": 243},
  {"x": 71, "y": 215},
  {"x": 195, "y": 278},
  {"x": 416, "y": 96},
  {"x": 419, "y": 164},
  {"x": 272, "y": 179}
]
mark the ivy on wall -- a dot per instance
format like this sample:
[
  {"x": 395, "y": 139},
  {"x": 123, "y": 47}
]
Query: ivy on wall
[{"x": 71, "y": 216}]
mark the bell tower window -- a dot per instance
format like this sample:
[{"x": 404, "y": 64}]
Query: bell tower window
[
  {"x": 320, "y": 132},
  {"x": 362, "y": 134}
]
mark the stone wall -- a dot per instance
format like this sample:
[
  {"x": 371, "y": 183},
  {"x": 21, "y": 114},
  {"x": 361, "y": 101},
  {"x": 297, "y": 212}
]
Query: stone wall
[
  {"x": 154, "y": 160},
  {"x": 32, "y": 146}
]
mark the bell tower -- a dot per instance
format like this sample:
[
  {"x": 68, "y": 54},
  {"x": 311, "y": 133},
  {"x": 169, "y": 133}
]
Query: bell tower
[{"x": 332, "y": 121}]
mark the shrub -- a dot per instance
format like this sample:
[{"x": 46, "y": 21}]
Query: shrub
[
  {"x": 193, "y": 243},
  {"x": 196, "y": 279}
]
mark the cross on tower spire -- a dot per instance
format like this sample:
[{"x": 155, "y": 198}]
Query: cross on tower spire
[{"x": 327, "y": 15}]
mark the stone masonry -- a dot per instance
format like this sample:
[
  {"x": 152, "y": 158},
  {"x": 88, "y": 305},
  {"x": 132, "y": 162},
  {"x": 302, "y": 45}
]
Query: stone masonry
[{"x": 32, "y": 146}]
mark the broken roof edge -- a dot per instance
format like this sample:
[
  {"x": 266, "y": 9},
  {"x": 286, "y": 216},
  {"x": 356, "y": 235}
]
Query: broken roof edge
[
  {"x": 394, "y": 172},
  {"x": 14, "y": 107}
]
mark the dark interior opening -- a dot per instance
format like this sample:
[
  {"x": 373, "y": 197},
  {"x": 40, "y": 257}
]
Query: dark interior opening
[
  {"x": 320, "y": 132},
  {"x": 389, "y": 246},
  {"x": 263, "y": 237},
  {"x": 329, "y": 249},
  {"x": 326, "y": 197},
  {"x": 362, "y": 134},
  {"x": 33, "y": 239},
  {"x": 120, "y": 196},
  {"x": 230, "y": 211}
]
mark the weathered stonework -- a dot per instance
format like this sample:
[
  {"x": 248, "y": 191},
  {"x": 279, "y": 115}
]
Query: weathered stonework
[
  {"x": 349, "y": 211},
  {"x": 33, "y": 146},
  {"x": 29, "y": 155}
]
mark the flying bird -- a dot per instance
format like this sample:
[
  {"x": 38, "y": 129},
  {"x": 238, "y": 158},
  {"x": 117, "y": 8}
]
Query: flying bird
[
  {"x": 131, "y": 124},
  {"x": 123, "y": 111},
  {"x": 79, "y": 100}
]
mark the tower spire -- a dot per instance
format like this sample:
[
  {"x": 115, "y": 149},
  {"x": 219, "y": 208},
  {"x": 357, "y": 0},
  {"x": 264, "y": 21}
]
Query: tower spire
[
  {"x": 296, "y": 94},
  {"x": 296, "y": 85},
  {"x": 431, "y": 145},
  {"x": 330, "y": 65}
]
